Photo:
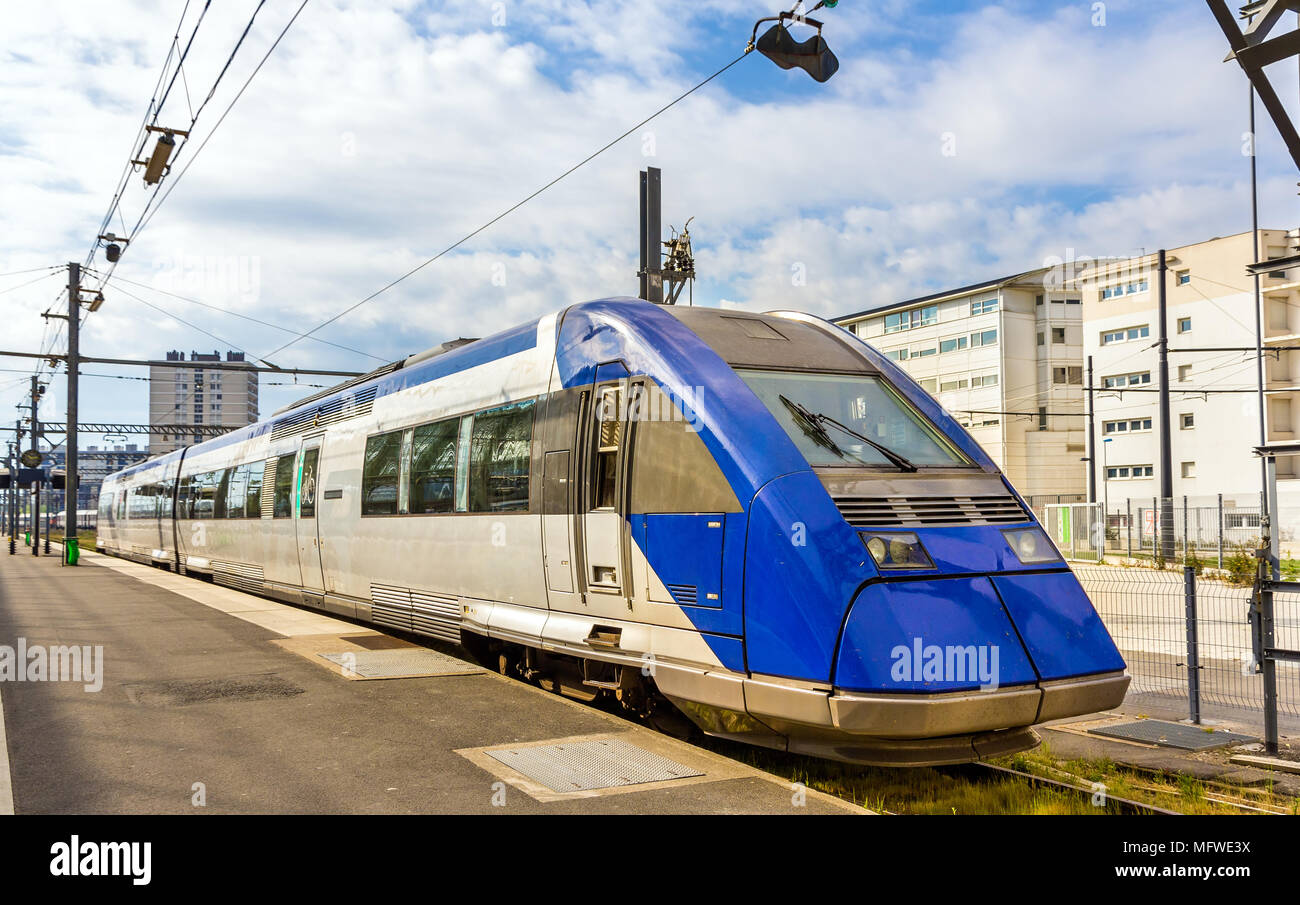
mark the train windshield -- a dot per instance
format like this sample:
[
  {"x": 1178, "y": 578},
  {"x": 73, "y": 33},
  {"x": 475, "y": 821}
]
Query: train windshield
[{"x": 847, "y": 419}]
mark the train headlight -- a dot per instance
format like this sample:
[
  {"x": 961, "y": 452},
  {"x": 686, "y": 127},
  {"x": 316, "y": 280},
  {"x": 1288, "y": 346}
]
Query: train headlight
[
  {"x": 1031, "y": 545},
  {"x": 897, "y": 551}
]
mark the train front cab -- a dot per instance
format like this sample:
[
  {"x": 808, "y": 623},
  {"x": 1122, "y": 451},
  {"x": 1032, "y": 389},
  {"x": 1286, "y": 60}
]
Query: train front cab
[{"x": 840, "y": 647}]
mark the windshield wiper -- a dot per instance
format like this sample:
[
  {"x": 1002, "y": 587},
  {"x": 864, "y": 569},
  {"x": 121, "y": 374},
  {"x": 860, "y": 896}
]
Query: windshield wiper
[
  {"x": 820, "y": 420},
  {"x": 812, "y": 427}
]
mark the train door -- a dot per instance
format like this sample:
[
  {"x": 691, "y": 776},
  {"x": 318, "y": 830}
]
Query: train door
[
  {"x": 556, "y": 529},
  {"x": 306, "y": 480},
  {"x": 603, "y": 500}
]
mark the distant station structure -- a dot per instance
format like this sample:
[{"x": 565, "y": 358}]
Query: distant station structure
[{"x": 178, "y": 397}]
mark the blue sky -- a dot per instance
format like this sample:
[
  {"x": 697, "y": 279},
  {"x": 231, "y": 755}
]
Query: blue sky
[{"x": 380, "y": 132}]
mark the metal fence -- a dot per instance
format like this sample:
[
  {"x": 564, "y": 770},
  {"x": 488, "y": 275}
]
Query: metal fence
[
  {"x": 1203, "y": 532},
  {"x": 1189, "y": 637}
]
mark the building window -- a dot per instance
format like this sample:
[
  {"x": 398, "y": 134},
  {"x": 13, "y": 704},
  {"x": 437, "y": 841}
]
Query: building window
[
  {"x": 1184, "y": 373},
  {"x": 1184, "y": 325},
  {"x": 1125, "y": 335},
  {"x": 1058, "y": 336},
  {"x": 929, "y": 384},
  {"x": 984, "y": 306},
  {"x": 909, "y": 320},
  {"x": 1040, "y": 339},
  {"x": 1068, "y": 375},
  {"x": 1182, "y": 277},
  {"x": 1125, "y": 472},
  {"x": 1120, "y": 381},
  {"x": 1042, "y": 418},
  {"x": 1123, "y": 289},
  {"x": 922, "y": 353},
  {"x": 1187, "y": 421},
  {"x": 1189, "y": 469},
  {"x": 988, "y": 380},
  {"x": 949, "y": 385},
  {"x": 1038, "y": 300},
  {"x": 897, "y": 354},
  {"x": 986, "y": 338},
  {"x": 955, "y": 344},
  {"x": 1074, "y": 301},
  {"x": 1126, "y": 426}
]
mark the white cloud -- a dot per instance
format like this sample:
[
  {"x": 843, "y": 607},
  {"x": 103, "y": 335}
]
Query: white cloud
[{"x": 377, "y": 134}]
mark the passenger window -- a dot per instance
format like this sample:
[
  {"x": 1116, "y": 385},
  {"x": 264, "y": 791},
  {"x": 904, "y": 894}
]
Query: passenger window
[
  {"x": 253, "y": 490},
  {"x": 220, "y": 492},
  {"x": 609, "y": 437},
  {"x": 500, "y": 458},
  {"x": 235, "y": 492},
  {"x": 379, "y": 474},
  {"x": 203, "y": 490},
  {"x": 183, "y": 499},
  {"x": 433, "y": 467},
  {"x": 283, "y": 507}
]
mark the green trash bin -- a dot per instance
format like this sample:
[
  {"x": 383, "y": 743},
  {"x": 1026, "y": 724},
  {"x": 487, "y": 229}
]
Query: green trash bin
[{"x": 71, "y": 550}]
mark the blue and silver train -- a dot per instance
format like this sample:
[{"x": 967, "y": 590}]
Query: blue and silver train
[{"x": 754, "y": 522}]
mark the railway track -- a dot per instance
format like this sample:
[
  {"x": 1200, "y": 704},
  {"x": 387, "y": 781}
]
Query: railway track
[{"x": 982, "y": 772}]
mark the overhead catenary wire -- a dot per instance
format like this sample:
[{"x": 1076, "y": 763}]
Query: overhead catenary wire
[
  {"x": 160, "y": 195},
  {"x": 152, "y": 108},
  {"x": 514, "y": 207},
  {"x": 116, "y": 278},
  {"x": 149, "y": 212},
  {"x": 29, "y": 282}
]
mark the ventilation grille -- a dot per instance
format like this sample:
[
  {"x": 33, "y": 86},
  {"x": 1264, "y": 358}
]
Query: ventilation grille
[
  {"x": 900, "y": 512},
  {"x": 390, "y": 606},
  {"x": 237, "y": 575},
  {"x": 434, "y": 615},
  {"x": 268, "y": 487},
  {"x": 352, "y": 405},
  {"x": 685, "y": 594}
]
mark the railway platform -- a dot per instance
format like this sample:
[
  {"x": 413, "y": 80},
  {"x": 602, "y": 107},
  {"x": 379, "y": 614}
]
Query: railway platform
[{"x": 165, "y": 694}]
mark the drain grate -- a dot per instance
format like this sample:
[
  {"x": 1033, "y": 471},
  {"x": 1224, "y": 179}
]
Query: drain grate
[
  {"x": 1172, "y": 735},
  {"x": 586, "y": 766},
  {"x": 404, "y": 662}
]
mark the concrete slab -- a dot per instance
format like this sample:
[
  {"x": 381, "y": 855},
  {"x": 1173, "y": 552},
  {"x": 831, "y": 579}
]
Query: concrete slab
[{"x": 211, "y": 702}]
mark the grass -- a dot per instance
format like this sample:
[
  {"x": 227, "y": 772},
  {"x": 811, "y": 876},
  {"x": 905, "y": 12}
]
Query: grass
[
  {"x": 922, "y": 790},
  {"x": 1164, "y": 789},
  {"x": 917, "y": 790}
]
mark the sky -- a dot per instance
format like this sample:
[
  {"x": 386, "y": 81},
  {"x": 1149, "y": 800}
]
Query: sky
[{"x": 958, "y": 142}]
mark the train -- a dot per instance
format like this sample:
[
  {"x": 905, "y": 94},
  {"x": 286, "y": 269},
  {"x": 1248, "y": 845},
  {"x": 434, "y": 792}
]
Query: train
[{"x": 752, "y": 525}]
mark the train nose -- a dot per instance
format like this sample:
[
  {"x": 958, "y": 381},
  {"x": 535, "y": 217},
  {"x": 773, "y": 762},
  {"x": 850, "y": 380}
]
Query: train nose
[
  {"x": 950, "y": 634},
  {"x": 960, "y": 655}
]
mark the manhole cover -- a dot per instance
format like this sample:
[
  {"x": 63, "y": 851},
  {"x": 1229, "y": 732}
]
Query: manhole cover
[
  {"x": 584, "y": 766},
  {"x": 405, "y": 662},
  {"x": 1172, "y": 735},
  {"x": 209, "y": 691}
]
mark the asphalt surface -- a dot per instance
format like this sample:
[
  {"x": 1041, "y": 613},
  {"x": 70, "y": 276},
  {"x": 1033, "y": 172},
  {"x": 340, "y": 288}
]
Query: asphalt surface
[{"x": 195, "y": 695}]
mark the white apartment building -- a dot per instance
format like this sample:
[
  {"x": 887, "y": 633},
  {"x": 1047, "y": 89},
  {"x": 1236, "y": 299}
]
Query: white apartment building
[
  {"x": 1214, "y": 407},
  {"x": 194, "y": 396},
  {"x": 1005, "y": 357}
]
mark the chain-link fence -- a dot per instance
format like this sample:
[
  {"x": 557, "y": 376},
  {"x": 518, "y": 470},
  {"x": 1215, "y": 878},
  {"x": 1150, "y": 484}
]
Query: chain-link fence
[{"x": 1149, "y": 613}]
